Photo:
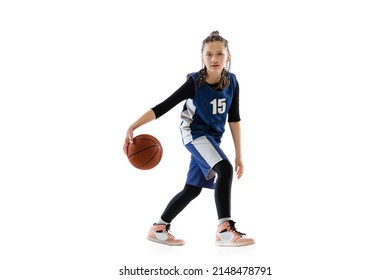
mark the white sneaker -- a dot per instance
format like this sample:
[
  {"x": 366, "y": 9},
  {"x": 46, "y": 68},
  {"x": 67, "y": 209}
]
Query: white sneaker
[
  {"x": 160, "y": 234},
  {"x": 228, "y": 236}
]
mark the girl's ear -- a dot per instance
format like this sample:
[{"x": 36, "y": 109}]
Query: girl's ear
[{"x": 227, "y": 61}]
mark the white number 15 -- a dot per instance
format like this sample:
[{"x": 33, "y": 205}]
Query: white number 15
[{"x": 219, "y": 106}]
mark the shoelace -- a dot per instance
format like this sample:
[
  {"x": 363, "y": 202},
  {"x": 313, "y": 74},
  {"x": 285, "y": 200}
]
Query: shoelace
[
  {"x": 167, "y": 228},
  {"x": 233, "y": 228}
]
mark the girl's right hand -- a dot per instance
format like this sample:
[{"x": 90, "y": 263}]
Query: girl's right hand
[
  {"x": 145, "y": 118},
  {"x": 128, "y": 139}
]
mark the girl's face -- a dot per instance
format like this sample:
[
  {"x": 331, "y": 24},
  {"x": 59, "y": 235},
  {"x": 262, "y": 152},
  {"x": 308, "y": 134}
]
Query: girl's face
[{"x": 215, "y": 56}]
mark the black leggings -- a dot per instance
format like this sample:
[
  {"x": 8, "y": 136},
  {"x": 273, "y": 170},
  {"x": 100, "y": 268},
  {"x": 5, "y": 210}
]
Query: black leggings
[{"x": 222, "y": 194}]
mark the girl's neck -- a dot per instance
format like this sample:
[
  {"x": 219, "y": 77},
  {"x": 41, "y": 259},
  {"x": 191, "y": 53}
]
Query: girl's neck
[{"x": 213, "y": 79}]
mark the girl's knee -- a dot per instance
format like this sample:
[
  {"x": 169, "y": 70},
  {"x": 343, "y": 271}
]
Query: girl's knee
[{"x": 224, "y": 167}]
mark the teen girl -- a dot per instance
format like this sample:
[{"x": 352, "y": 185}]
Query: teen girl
[{"x": 211, "y": 98}]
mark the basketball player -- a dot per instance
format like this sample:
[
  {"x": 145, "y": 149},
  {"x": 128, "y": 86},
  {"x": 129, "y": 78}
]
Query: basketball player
[{"x": 211, "y": 98}]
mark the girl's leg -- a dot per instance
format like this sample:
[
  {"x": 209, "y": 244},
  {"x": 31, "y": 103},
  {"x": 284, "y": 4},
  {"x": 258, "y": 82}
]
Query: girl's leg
[
  {"x": 160, "y": 231},
  {"x": 223, "y": 187},
  {"x": 179, "y": 202},
  {"x": 227, "y": 234}
]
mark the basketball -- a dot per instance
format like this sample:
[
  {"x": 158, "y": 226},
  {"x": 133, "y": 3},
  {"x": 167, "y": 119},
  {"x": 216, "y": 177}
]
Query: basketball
[{"x": 145, "y": 152}]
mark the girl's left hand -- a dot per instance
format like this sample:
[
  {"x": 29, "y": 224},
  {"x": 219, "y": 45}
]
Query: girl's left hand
[{"x": 239, "y": 168}]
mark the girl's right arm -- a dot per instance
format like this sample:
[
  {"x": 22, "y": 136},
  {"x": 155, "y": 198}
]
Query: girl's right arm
[
  {"x": 187, "y": 90},
  {"x": 145, "y": 118}
]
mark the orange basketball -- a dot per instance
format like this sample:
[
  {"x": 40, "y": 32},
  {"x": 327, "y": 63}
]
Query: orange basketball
[{"x": 145, "y": 152}]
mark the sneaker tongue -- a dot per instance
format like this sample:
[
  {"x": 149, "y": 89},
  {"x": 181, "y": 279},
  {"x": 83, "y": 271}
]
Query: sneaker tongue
[
  {"x": 232, "y": 224},
  {"x": 233, "y": 228}
]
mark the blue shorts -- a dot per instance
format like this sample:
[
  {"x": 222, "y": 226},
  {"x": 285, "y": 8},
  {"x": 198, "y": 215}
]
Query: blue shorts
[{"x": 205, "y": 153}]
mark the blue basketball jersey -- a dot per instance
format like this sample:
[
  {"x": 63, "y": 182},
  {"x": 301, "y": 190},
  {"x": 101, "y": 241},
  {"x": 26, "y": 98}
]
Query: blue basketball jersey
[{"x": 206, "y": 113}]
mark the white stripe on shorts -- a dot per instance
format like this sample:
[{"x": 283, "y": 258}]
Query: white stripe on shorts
[{"x": 207, "y": 151}]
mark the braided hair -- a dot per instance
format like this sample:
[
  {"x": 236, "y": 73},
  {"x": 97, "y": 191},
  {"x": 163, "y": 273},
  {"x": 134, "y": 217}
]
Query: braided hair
[{"x": 224, "y": 80}]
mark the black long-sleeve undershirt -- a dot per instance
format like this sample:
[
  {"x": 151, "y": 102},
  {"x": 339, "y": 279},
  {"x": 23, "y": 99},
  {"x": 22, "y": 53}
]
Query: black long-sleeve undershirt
[{"x": 186, "y": 91}]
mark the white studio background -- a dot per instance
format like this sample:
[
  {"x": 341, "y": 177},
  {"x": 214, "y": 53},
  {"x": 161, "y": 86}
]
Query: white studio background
[{"x": 314, "y": 79}]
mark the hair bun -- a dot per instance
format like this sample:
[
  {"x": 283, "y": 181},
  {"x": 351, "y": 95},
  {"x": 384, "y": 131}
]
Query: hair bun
[{"x": 214, "y": 33}]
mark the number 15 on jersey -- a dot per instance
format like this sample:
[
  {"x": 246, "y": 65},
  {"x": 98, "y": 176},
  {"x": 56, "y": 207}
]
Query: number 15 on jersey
[{"x": 219, "y": 106}]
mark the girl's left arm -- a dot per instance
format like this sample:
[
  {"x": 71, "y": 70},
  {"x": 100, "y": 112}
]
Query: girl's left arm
[{"x": 235, "y": 129}]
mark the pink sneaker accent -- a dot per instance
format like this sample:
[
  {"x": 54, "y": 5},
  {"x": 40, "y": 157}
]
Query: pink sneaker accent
[
  {"x": 161, "y": 234},
  {"x": 228, "y": 236}
]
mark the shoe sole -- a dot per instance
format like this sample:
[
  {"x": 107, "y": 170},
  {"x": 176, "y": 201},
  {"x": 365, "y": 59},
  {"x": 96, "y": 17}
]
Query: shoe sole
[
  {"x": 241, "y": 244},
  {"x": 164, "y": 242}
]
